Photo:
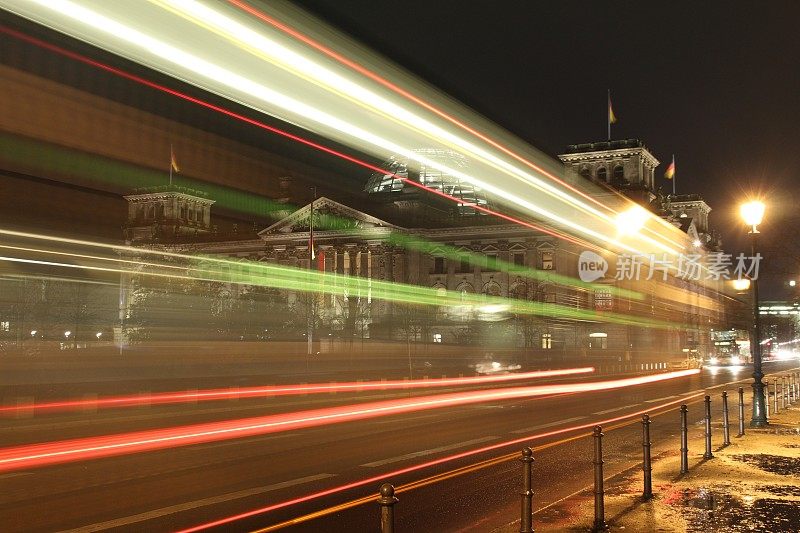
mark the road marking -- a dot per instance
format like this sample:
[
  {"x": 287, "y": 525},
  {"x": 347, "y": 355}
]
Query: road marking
[
  {"x": 237, "y": 442},
  {"x": 428, "y": 452},
  {"x": 693, "y": 392},
  {"x": 616, "y": 409},
  {"x": 408, "y": 419},
  {"x": 15, "y": 474},
  {"x": 551, "y": 424},
  {"x": 654, "y": 400},
  {"x": 164, "y": 511}
]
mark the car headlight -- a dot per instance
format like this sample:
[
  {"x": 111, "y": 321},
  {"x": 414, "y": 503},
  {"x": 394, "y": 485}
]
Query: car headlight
[{"x": 713, "y": 361}]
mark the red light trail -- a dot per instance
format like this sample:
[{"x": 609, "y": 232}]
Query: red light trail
[
  {"x": 428, "y": 464},
  {"x": 283, "y": 390},
  {"x": 272, "y": 129},
  {"x": 49, "y": 453},
  {"x": 402, "y": 92}
]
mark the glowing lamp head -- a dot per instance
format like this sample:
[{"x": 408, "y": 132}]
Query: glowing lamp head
[
  {"x": 741, "y": 284},
  {"x": 98, "y": 334},
  {"x": 631, "y": 220},
  {"x": 752, "y": 212},
  {"x": 67, "y": 334},
  {"x": 792, "y": 283},
  {"x": 696, "y": 243}
]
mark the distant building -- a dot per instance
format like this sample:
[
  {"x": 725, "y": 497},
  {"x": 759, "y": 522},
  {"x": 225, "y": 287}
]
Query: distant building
[{"x": 465, "y": 252}]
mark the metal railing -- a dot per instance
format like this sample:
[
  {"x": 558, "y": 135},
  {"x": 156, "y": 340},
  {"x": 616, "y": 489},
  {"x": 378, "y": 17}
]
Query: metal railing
[{"x": 788, "y": 393}]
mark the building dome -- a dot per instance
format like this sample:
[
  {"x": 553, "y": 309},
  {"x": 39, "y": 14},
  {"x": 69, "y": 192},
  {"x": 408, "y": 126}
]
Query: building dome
[{"x": 397, "y": 171}]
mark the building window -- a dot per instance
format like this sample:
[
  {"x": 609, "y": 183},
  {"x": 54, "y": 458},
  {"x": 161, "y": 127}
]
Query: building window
[
  {"x": 547, "y": 341},
  {"x": 438, "y": 265},
  {"x": 598, "y": 341},
  {"x": 464, "y": 266},
  {"x": 547, "y": 260},
  {"x": 5, "y": 325},
  {"x": 491, "y": 262},
  {"x": 619, "y": 173},
  {"x": 603, "y": 299},
  {"x": 602, "y": 174},
  {"x": 519, "y": 259},
  {"x": 586, "y": 173},
  {"x": 437, "y": 337}
]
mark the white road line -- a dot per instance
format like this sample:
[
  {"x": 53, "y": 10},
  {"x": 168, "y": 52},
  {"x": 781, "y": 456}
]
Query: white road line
[
  {"x": 654, "y": 400},
  {"x": 616, "y": 409},
  {"x": 15, "y": 474},
  {"x": 551, "y": 424},
  {"x": 692, "y": 392},
  {"x": 165, "y": 511},
  {"x": 428, "y": 452}
]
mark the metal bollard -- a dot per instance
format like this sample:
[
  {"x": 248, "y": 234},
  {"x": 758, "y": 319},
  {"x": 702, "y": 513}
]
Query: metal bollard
[
  {"x": 599, "y": 509},
  {"x": 775, "y": 396},
  {"x": 708, "y": 454},
  {"x": 684, "y": 441},
  {"x": 726, "y": 428},
  {"x": 766, "y": 397},
  {"x": 647, "y": 466},
  {"x": 526, "y": 523},
  {"x": 387, "y": 501},
  {"x": 741, "y": 412}
]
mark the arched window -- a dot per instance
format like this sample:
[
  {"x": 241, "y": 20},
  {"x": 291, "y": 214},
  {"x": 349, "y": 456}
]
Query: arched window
[
  {"x": 151, "y": 212},
  {"x": 586, "y": 173},
  {"x": 602, "y": 174},
  {"x": 463, "y": 289},
  {"x": 492, "y": 288},
  {"x": 183, "y": 212},
  {"x": 619, "y": 172},
  {"x": 160, "y": 211}
]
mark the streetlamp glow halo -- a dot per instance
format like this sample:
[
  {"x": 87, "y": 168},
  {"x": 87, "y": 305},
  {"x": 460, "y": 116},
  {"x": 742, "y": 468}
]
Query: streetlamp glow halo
[{"x": 752, "y": 212}]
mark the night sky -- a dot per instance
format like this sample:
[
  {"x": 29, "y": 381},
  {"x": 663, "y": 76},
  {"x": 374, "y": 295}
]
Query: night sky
[{"x": 716, "y": 83}]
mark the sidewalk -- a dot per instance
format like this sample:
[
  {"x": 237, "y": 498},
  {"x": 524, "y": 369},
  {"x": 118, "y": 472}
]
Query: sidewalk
[{"x": 751, "y": 485}]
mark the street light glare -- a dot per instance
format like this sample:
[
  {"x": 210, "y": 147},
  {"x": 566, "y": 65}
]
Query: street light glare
[
  {"x": 741, "y": 284},
  {"x": 752, "y": 212},
  {"x": 631, "y": 220}
]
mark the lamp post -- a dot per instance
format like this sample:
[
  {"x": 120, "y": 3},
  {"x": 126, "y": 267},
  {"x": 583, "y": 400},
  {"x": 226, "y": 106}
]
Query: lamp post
[{"x": 752, "y": 213}]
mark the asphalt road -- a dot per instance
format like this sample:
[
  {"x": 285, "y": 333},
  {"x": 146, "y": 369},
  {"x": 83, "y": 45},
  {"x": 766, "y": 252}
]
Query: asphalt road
[{"x": 181, "y": 487}]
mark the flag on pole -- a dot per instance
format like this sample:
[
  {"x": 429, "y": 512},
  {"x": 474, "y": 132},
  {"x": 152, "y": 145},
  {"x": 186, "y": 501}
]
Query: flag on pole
[
  {"x": 311, "y": 230},
  {"x": 173, "y": 164},
  {"x": 670, "y": 173},
  {"x": 612, "y": 118}
]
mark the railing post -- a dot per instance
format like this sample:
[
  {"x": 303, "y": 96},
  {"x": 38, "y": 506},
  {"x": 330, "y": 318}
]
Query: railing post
[
  {"x": 775, "y": 394},
  {"x": 708, "y": 454},
  {"x": 387, "y": 501},
  {"x": 526, "y": 523},
  {"x": 684, "y": 440},
  {"x": 599, "y": 509},
  {"x": 647, "y": 466},
  {"x": 792, "y": 388},
  {"x": 783, "y": 392},
  {"x": 726, "y": 428},
  {"x": 741, "y": 412}
]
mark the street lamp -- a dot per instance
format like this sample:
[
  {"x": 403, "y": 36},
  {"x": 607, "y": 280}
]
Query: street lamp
[
  {"x": 630, "y": 221},
  {"x": 752, "y": 213}
]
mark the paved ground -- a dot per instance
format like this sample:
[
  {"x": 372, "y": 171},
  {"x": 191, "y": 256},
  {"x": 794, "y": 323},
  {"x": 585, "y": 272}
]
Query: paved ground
[
  {"x": 181, "y": 487},
  {"x": 750, "y": 485}
]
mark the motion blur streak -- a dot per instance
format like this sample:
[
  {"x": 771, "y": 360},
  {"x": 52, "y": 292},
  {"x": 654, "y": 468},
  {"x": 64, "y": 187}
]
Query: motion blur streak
[
  {"x": 406, "y": 94},
  {"x": 288, "y": 390},
  {"x": 43, "y": 454},
  {"x": 156, "y": 37},
  {"x": 421, "y": 466},
  {"x": 214, "y": 269},
  {"x": 280, "y": 132}
]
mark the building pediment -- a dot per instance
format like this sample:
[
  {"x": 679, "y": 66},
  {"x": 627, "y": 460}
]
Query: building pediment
[{"x": 329, "y": 215}]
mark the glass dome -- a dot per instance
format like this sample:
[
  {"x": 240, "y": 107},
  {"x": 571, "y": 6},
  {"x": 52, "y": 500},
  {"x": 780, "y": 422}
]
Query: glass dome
[{"x": 397, "y": 172}]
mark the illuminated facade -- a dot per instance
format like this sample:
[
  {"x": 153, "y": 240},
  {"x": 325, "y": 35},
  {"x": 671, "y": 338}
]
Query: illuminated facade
[{"x": 461, "y": 252}]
